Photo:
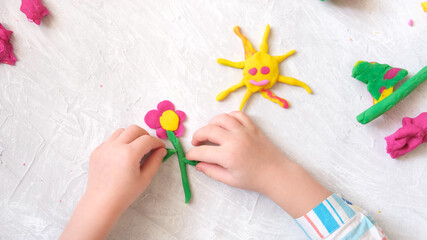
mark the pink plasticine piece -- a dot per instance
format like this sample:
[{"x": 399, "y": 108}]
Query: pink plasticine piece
[
  {"x": 252, "y": 71},
  {"x": 6, "y": 49},
  {"x": 265, "y": 70},
  {"x": 390, "y": 74},
  {"x": 411, "y": 22},
  {"x": 260, "y": 83},
  {"x": 34, "y": 10},
  {"x": 412, "y": 133}
]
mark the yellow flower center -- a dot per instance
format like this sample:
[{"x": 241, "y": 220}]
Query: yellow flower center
[{"x": 169, "y": 120}]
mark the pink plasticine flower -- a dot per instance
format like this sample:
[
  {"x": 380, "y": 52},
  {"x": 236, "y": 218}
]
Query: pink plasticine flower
[
  {"x": 165, "y": 118},
  {"x": 6, "y": 49},
  {"x": 34, "y": 10}
]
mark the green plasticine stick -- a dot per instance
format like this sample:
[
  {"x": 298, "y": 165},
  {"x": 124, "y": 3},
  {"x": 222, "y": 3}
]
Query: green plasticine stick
[
  {"x": 182, "y": 165},
  {"x": 397, "y": 96}
]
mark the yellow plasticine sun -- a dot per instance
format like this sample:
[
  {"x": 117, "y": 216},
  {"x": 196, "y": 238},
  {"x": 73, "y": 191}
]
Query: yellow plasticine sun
[{"x": 260, "y": 71}]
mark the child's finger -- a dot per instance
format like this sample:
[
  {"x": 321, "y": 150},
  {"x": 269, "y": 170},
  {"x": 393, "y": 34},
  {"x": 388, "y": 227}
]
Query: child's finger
[
  {"x": 225, "y": 121},
  {"x": 211, "y": 133},
  {"x": 242, "y": 118},
  {"x": 215, "y": 171},
  {"x": 116, "y": 134},
  {"x": 145, "y": 144},
  {"x": 131, "y": 133},
  {"x": 205, "y": 153},
  {"x": 152, "y": 164}
]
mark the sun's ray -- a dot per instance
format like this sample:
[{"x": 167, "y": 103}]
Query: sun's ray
[
  {"x": 225, "y": 93},
  {"x": 264, "y": 44},
  {"x": 283, "y": 57},
  {"x": 272, "y": 97},
  {"x": 229, "y": 63},
  {"x": 249, "y": 50},
  {"x": 295, "y": 82},
  {"x": 248, "y": 93}
]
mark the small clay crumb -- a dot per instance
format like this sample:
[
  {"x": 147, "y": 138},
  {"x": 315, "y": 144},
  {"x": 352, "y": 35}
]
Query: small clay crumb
[{"x": 411, "y": 22}]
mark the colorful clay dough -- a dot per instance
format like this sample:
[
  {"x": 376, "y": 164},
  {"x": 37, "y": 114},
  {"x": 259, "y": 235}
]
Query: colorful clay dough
[
  {"x": 260, "y": 72},
  {"x": 412, "y": 133},
  {"x": 34, "y": 10},
  {"x": 380, "y": 79},
  {"x": 424, "y": 5},
  {"x": 6, "y": 48},
  {"x": 168, "y": 124}
]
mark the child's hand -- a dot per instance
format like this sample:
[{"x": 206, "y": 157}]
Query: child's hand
[
  {"x": 115, "y": 172},
  {"x": 244, "y": 156},
  {"x": 116, "y": 179}
]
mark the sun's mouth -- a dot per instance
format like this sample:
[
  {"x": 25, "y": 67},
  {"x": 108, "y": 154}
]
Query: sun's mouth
[{"x": 260, "y": 83}]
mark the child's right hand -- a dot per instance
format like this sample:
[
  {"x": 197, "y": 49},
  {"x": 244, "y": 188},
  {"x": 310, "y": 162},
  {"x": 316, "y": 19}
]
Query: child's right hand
[{"x": 244, "y": 157}]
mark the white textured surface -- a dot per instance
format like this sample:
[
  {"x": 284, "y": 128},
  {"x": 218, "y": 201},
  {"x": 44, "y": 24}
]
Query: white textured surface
[{"x": 53, "y": 112}]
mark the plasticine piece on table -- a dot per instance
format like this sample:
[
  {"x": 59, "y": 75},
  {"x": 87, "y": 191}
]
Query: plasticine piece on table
[
  {"x": 394, "y": 98},
  {"x": 380, "y": 78},
  {"x": 260, "y": 72},
  {"x": 168, "y": 124},
  {"x": 412, "y": 133},
  {"x": 411, "y": 22},
  {"x": 6, "y": 48},
  {"x": 424, "y": 5},
  {"x": 34, "y": 10}
]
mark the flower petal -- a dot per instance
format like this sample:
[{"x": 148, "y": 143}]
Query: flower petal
[
  {"x": 152, "y": 119},
  {"x": 181, "y": 115},
  {"x": 161, "y": 133},
  {"x": 164, "y": 106},
  {"x": 179, "y": 131}
]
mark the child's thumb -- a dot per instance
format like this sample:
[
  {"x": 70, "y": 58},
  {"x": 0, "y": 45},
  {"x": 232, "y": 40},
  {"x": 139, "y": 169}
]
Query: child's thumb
[
  {"x": 152, "y": 164},
  {"x": 214, "y": 171}
]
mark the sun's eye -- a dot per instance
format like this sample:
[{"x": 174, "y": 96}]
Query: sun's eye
[
  {"x": 252, "y": 71},
  {"x": 265, "y": 70}
]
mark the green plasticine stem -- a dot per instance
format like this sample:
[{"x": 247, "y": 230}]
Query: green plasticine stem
[
  {"x": 182, "y": 165},
  {"x": 390, "y": 101}
]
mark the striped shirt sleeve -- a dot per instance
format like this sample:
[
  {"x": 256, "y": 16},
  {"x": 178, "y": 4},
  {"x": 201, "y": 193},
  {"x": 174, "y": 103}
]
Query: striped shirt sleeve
[{"x": 337, "y": 218}]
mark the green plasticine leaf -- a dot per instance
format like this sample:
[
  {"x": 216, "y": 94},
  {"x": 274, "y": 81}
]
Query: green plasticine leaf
[{"x": 169, "y": 153}]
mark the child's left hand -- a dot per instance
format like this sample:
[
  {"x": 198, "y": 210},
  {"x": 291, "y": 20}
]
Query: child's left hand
[
  {"x": 116, "y": 179},
  {"x": 115, "y": 172}
]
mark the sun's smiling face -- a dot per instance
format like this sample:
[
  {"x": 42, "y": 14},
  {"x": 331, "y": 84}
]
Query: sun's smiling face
[{"x": 261, "y": 72}]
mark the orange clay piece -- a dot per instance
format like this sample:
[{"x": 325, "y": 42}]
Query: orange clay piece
[{"x": 260, "y": 72}]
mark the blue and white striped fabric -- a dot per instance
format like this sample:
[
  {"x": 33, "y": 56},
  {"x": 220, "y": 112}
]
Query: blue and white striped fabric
[{"x": 336, "y": 218}]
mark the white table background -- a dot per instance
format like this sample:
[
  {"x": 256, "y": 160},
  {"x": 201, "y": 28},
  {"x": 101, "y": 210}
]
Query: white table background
[{"x": 53, "y": 112}]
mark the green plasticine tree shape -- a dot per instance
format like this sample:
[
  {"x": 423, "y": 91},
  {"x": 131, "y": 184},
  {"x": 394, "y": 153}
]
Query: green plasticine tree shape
[
  {"x": 388, "y": 102},
  {"x": 378, "y": 77}
]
